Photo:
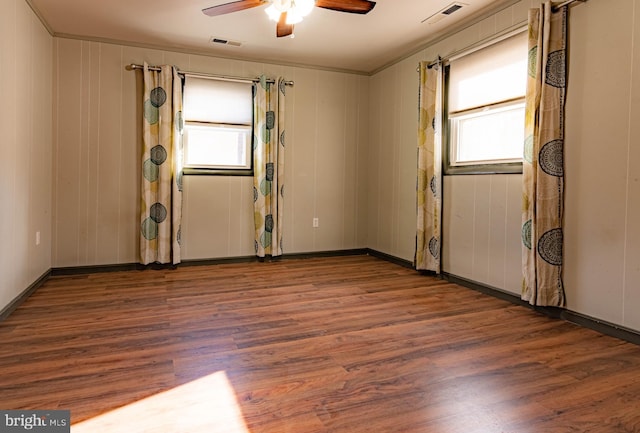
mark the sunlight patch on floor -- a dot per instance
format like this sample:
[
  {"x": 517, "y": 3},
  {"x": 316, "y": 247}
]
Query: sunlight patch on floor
[{"x": 207, "y": 405}]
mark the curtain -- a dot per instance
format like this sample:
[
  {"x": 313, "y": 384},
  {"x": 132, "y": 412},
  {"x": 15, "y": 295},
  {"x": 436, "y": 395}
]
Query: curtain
[
  {"x": 429, "y": 182},
  {"x": 268, "y": 166},
  {"x": 161, "y": 183},
  {"x": 543, "y": 165}
]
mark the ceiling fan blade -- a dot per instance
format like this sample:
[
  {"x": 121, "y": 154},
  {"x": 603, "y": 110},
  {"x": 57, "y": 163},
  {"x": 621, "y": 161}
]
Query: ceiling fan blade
[
  {"x": 283, "y": 29},
  {"x": 235, "y": 6},
  {"x": 351, "y": 6}
]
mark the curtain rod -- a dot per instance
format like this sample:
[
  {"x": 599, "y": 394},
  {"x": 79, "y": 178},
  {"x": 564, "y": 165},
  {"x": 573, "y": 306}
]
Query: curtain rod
[
  {"x": 475, "y": 47},
  {"x": 566, "y": 3},
  {"x": 133, "y": 66},
  {"x": 458, "y": 53}
]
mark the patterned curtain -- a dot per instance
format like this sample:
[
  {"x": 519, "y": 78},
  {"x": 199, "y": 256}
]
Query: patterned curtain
[
  {"x": 429, "y": 185},
  {"x": 268, "y": 166},
  {"x": 543, "y": 166},
  {"x": 161, "y": 186}
]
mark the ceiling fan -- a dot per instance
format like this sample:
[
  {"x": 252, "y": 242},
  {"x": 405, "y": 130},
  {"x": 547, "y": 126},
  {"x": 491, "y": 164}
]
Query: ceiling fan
[{"x": 289, "y": 12}]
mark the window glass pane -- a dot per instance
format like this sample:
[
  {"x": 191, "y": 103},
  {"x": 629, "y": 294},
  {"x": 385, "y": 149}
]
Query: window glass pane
[
  {"x": 489, "y": 135},
  {"x": 493, "y": 74},
  {"x": 217, "y": 147}
]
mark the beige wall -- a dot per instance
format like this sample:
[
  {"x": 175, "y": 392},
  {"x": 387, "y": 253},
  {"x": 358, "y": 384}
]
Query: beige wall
[
  {"x": 96, "y": 154},
  {"x": 25, "y": 149},
  {"x": 481, "y": 227},
  {"x": 602, "y": 236},
  {"x": 391, "y": 194}
]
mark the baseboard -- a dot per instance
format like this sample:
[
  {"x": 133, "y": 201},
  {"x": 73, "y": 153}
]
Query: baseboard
[
  {"x": 613, "y": 330},
  {"x": 483, "y": 288},
  {"x": 11, "y": 307},
  {"x": 96, "y": 269},
  {"x": 390, "y": 258},
  {"x": 331, "y": 253},
  {"x": 303, "y": 255},
  {"x": 585, "y": 321},
  {"x": 93, "y": 269},
  {"x": 219, "y": 261}
]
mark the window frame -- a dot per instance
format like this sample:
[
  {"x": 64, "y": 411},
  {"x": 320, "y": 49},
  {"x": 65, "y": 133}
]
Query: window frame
[
  {"x": 222, "y": 171},
  {"x": 472, "y": 168}
]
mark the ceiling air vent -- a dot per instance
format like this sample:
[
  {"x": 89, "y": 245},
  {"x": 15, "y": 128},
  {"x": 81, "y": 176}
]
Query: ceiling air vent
[
  {"x": 222, "y": 41},
  {"x": 444, "y": 13}
]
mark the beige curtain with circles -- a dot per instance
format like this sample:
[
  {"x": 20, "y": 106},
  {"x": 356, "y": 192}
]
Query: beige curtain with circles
[
  {"x": 161, "y": 183},
  {"x": 543, "y": 165},
  {"x": 429, "y": 182},
  {"x": 268, "y": 166}
]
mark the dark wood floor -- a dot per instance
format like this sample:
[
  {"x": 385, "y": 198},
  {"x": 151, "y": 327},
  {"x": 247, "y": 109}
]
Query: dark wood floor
[{"x": 346, "y": 344}]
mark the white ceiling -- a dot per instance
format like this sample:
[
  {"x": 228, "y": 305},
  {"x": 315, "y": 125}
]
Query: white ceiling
[{"x": 328, "y": 39}]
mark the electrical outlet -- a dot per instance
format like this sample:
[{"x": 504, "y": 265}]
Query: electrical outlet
[
  {"x": 37, "y": 238},
  {"x": 316, "y": 222}
]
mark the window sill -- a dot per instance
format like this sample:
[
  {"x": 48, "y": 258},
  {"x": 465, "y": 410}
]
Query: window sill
[
  {"x": 507, "y": 168},
  {"x": 216, "y": 172}
]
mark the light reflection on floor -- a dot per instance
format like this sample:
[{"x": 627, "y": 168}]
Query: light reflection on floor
[{"x": 207, "y": 404}]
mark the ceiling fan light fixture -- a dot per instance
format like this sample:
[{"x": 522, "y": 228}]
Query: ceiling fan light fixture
[
  {"x": 296, "y": 10},
  {"x": 273, "y": 13},
  {"x": 303, "y": 7},
  {"x": 282, "y": 5},
  {"x": 293, "y": 17},
  {"x": 286, "y": 13}
]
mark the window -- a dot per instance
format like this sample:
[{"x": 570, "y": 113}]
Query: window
[
  {"x": 485, "y": 108},
  {"x": 218, "y": 127}
]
